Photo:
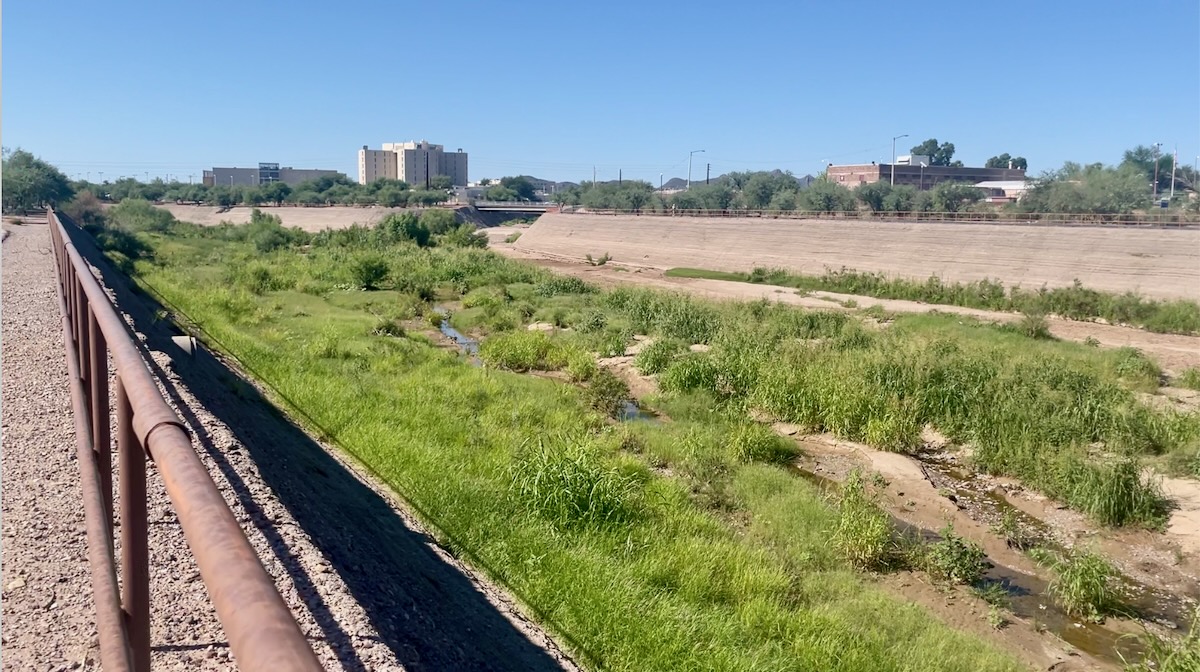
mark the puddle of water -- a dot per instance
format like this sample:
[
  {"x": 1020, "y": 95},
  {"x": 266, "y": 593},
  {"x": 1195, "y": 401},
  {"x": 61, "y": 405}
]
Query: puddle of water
[
  {"x": 631, "y": 412},
  {"x": 466, "y": 344},
  {"x": 1027, "y": 596}
]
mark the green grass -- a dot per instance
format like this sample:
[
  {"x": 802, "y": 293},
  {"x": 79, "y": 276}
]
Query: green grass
[
  {"x": 672, "y": 545},
  {"x": 1083, "y": 583},
  {"x": 1075, "y": 302},
  {"x": 1190, "y": 379}
]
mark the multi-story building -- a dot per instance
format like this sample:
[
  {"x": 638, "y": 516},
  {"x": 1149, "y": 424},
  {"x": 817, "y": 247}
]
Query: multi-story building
[
  {"x": 916, "y": 172},
  {"x": 264, "y": 174},
  {"x": 413, "y": 162}
]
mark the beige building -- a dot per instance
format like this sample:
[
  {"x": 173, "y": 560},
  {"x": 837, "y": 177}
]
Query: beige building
[
  {"x": 918, "y": 174},
  {"x": 413, "y": 162}
]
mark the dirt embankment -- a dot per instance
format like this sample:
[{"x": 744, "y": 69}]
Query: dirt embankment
[
  {"x": 319, "y": 219},
  {"x": 1160, "y": 263}
]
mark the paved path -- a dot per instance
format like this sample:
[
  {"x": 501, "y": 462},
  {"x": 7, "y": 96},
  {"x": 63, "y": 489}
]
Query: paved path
[{"x": 369, "y": 588}]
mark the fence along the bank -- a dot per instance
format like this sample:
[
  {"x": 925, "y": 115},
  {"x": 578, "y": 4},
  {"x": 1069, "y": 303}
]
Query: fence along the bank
[{"x": 262, "y": 632}]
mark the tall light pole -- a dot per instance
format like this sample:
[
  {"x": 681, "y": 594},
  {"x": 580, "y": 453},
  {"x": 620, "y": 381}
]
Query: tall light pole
[
  {"x": 693, "y": 152},
  {"x": 660, "y": 182},
  {"x": 1154, "y": 186},
  {"x": 894, "y": 156}
]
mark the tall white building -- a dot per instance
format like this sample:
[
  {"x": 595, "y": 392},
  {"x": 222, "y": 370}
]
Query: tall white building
[{"x": 413, "y": 162}]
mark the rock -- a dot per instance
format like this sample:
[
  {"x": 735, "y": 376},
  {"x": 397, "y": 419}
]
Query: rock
[
  {"x": 541, "y": 326},
  {"x": 15, "y": 584},
  {"x": 699, "y": 347}
]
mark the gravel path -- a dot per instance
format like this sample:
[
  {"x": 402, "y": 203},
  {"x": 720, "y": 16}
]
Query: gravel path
[
  {"x": 47, "y": 600},
  {"x": 368, "y": 587}
]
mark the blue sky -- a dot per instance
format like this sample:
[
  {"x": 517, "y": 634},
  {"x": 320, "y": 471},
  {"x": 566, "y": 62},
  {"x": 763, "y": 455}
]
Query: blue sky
[{"x": 551, "y": 89}]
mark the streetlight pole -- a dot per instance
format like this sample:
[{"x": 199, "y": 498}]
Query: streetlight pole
[
  {"x": 660, "y": 182},
  {"x": 894, "y": 156},
  {"x": 693, "y": 152},
  {"x": 1154, "y": 186}
]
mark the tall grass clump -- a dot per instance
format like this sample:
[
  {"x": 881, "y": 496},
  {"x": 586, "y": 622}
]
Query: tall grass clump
[
  {"x": 655, "y": 357},
  {"x": 863, "y": 534},
  {"x": 954, "y": 559},
  {"x": 568, "y": 483},
  {"x": 1190, "y": 379},
  {"x": 1083, "y": 583},
  {"x": 1164, "y": 654},
  {"x": 606, "y": 393}
]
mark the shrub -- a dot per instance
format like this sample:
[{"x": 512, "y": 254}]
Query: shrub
[
  {"x": 658, "y": 355},
  {"x": 464, "y": 236},
  {"x": 135, "y": 214},
  {"x": 517, "y": 351},
  {"x": 691, "y": 372},
  {"x": 567, "y": 483},
  {"x": 1162, "y": 654},
  {"x": 562, "y": 284},
  {"x": 1083, "y": 583},
  {"x": 439, "y": 220},
  {"x": 1189, "y": 379},
  {"x": 1035, "y": 326},
  {"x": 955, "y": 559},
  {"x": 368, "y": 270},
  {"x": 591, "y": 321},
  {"x": 606, "y": 393},
  {"x": 752, "y": 442},
  {"x": 863, "y": 534},
  {"x": 512, "y": 237},
  {"x": 386, "y": 327}
]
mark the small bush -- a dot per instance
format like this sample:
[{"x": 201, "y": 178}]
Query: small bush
[
  {"x": 606, "y": 393},
  {"x": 386, "y": 327},
  {"x": 658, "y": 355},
  {"x": 691, "y": 372},
  {"x": 592, "y": 320},
  {"x": 512, "y": 237},
  {"x": 1091, "y": 342},
  {"x": 1189, "y": 379},
  {"x": 562, "y": 284},
  {"x": 369, "y": 270},
  {"x": 569, "y": 485},
  {"x": 752, "y": 442},
  {"x": 1035, "y": 326},
  {"x": 599, "y": 262},
  {"x": 1083, "y": 583},
  {"x": 1162, "y": 654},
  {"x": 863, "y": 534},
  {"x": 955, "y": 559},
  {"x": 518, "y": 351}
]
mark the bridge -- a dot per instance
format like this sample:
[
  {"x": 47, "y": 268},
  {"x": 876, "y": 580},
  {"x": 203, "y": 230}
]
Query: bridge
[
  {"x": 159, "y": 513},
  {"x": 532, "y": 207}
]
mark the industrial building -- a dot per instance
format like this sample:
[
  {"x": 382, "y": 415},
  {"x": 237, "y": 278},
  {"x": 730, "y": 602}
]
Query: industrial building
[
  {"x": 916, "y": 171},
  {"x": 264, "y": 174},
  {"x": 413, "y": 162}
]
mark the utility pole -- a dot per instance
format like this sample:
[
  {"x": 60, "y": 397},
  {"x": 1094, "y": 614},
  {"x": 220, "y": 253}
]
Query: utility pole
[
  {"x": 707, "y": 173},
  {"x": 620, "y": 176},
  {"x": 593, "y": 177},
  {"x": 1174, "y": 164},
  {"x": 660, "y": 182},
  {"x": 427, "y": 170}
]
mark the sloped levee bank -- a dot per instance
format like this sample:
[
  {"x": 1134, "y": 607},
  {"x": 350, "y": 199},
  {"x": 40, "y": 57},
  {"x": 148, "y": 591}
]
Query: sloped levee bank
[{"x": 1157, "y": 263}]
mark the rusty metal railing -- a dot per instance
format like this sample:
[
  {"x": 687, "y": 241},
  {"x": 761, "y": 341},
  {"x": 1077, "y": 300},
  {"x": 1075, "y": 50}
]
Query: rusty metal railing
[{"x": 262, "y": 633}]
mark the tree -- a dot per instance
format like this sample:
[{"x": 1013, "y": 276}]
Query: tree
[
  {"x": 1003, "y": 160},
  {"x": 873, "y": 194},
  {"x": 1143, "y": 159},
  {"x": 784, "y": 200},
  {"x": 484, "y": 182},
  {"x": 438, "y": 220},
  {"x": 952, "y": 196},
  {"x": 521, "y": 186},
  {"x": 826, "y": 196},
  {"x": 900, "y": 199},
  {"x": 440, "y": 182},
  {"x": 500, "y": 193},
  {"x": 275, "y": 192},
  {"x": 29, "y": 182},
  {"x": 939, "y": 155}
]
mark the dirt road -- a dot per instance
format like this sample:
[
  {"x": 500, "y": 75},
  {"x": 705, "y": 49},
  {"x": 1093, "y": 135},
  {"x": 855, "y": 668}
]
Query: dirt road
[{"x": 1161, "y": 263}]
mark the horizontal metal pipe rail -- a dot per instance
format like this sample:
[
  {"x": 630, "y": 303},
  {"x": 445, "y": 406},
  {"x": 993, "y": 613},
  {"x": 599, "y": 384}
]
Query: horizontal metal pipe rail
[
  {"x": 262, "y": 634},
  {"x": 1029, "y": 219}
]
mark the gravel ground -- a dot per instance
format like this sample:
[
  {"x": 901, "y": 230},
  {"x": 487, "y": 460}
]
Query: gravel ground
[
  {"x": 47, "y": 601},
  {"x": 369, "y": 588}
]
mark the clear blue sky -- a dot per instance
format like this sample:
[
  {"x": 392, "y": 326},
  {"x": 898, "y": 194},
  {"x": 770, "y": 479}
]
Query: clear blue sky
[{"x": 551, "y": 89}]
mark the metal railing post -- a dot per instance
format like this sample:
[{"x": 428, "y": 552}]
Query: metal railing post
[
  {"x": 97, "y": 374},
  {"x": 135, "y": 548}
]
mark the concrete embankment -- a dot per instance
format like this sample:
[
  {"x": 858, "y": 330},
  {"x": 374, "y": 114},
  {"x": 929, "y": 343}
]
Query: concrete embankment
[{"x": 1160, "y": 263}]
